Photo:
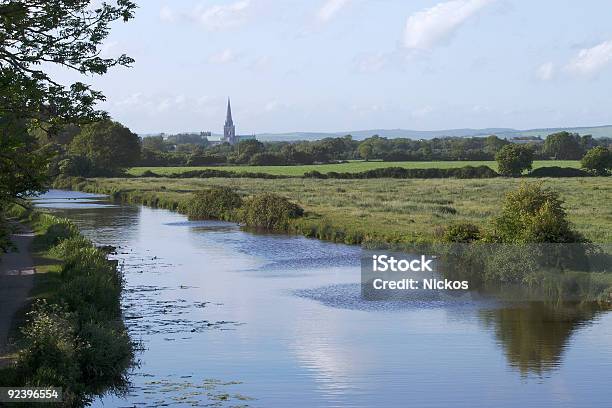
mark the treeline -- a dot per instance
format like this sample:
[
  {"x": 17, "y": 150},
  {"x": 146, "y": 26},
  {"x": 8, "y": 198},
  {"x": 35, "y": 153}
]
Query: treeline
[
  {"x": 159, "y": 152},
  {"x": 107, "y": 148}
]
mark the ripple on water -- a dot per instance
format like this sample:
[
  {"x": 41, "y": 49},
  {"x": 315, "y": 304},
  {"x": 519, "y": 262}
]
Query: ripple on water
[{"x": 348, "y": 296}]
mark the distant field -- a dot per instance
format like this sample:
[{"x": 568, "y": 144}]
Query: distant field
[{"x": 352, "y": 167}]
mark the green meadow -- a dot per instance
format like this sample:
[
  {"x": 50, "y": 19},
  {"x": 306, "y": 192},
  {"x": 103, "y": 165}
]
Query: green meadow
[
  {"x": 350, "y": 167},
  {"x": 392, "y": 210}
]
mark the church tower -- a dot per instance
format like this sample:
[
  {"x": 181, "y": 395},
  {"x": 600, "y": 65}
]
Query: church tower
[{"x": 229, "y": 130}]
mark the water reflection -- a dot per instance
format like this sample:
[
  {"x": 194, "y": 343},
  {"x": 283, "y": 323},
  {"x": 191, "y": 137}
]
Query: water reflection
[{"x": 535, "y": 336}]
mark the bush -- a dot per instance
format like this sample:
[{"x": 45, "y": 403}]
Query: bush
[
  {"x": 106, "y": 358},
  {"x": 70, "y": 246},
  {"x": 598, "y": 159},
  {"x": 466, "y": 172},
  {"x": 49, "y": 355},
  {"x": 461, "y": 233},
  {"x": 269, "y": 211},
  {"x": 52, "y": 229},
  {"x": 533, "y": 214},
  {"x": 219, "y": 203},
  {"x": 94, "y": 297},
  {"x": 555, "y": 171},
  {"x": 513, "y": 159}
]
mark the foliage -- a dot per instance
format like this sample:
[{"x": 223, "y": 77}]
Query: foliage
[
  {"x": 555, "y": 171},
  {"x": 217, "y": 202},
  {"x": 598, "y": 159},
  {"x": 269, "y": 211},
  {"x": 75, "y": 339},
  {"x": 564, "y": 146},
  {"x": 533, "y": 214},
  {"x": 461, "y": 233},
  {"x": 513, "y": 159},
  {"x": 109, "y": 146},
  {"x": 344, "y": 167},
  {"x": 267, "y": 159},
  {"x": 399, "y": 172},
  {"x": 75, "y": 165},
  {"x": 37, "y": 34}
]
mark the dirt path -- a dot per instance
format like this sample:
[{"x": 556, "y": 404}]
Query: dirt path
[{"x": 16, "y": 280}]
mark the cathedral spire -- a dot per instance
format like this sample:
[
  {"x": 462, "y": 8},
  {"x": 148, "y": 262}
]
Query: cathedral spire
[
  {"x": 229, "y": 130},
  {"x": 228, "y": 119}
]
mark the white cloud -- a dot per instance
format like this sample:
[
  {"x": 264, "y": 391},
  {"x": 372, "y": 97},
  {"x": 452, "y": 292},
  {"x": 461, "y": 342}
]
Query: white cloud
[
  {"x": 222, "y": 17},
  {"x": 222, "y": 57},
  {"x": 591, "y": 61},
  {"x": 428, "y": 28},
  {"x": 546, "y": 71},
  {"x": 329, "y": 9}
]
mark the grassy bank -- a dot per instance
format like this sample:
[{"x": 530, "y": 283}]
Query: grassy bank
[
  {"x": 73, "y": 337},
  {"x": 350, "y": 167},
  {"x": 390, "y": 210}
]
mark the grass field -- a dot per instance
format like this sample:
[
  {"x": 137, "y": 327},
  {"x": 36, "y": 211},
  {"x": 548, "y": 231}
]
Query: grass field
[
  {"x": 387, "y": 209},
  {"x": 351, "y": 167}
]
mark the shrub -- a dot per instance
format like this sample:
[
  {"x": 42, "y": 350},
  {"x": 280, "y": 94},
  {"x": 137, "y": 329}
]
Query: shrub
[
  {"x": 461, "y": 233},
  {"x": 598, "y": 159},
  {"x": 555, "y": 171},
  {"x": 217, "y": 202},
  {"x": 269, "y": 211},
  {"x": 49, "y": 355},
  {"x": 107, "y": 356},
  {"x": 94, "y": 297},
  {"x": 466, "y": 172},
  {"x": 70, "y": 246},
  {"x": 53, "y": 229},
  {"x": 533, "y": 214},
  {"x": 513, "y": 159}
]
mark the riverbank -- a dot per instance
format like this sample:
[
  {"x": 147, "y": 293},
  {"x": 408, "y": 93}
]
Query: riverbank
[
  {"x": 378, "y": 210},
  {"x": 73, "y": 336}
]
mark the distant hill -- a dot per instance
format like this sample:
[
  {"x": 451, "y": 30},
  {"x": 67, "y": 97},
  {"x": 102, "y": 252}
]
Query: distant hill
[{"x": 596, "y": 131}]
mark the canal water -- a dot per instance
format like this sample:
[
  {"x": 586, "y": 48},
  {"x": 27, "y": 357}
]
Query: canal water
[{"x": 228, "y": 318}]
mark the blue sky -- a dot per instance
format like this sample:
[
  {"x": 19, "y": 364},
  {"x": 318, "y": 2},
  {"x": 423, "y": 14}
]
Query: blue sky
[{"x": 334, "y": 65}]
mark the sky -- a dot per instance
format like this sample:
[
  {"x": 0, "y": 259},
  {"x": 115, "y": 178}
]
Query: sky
[{"x": 339, "y": 65}]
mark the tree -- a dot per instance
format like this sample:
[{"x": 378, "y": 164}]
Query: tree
[
  {"x": 109, "y": 146},
  {"x": 156, "y": 143},
  {"x": 365, "y": 150},
  {"x": 513, "y": 159},
  {"x": 598, "y": 159},
  {"x": 36, "y": 34},
  {"x": 563, "y": 146}
]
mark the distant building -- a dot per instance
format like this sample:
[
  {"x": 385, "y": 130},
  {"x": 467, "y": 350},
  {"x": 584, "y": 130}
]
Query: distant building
[{"x": 229, "y": 130}]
